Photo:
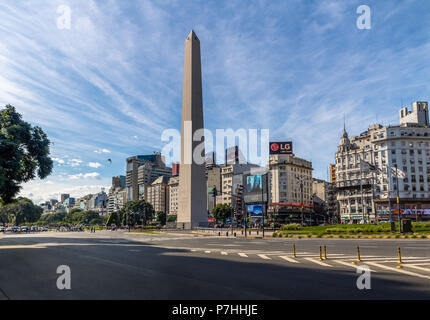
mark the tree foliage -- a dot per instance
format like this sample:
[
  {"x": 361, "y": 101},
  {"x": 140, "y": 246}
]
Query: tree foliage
[
  {"x": 161, "y": 217},
  {"x": 20, "y": 211},
  {"x": 24, "y": 153},
  {"x": 221, "y": 212},
  {"x": 138, "y": 211},
  {"x": 114, "y": 218}
]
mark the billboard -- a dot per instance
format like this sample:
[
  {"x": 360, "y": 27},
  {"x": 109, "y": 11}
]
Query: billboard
[
  {"x": 254, "y": 209},
  {"x": 255, "y": 188},
  {"x": 281, "y": 147},
  {"x": 254, "y": 184},
  {"x": 232, "y": 155}
]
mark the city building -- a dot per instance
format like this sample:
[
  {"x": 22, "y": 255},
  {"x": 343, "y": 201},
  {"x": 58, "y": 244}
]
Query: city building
[
  {"x": 290, "y": 190},
  {"x": 118, "y": 182},
  {"x": 142, "y": 170},
  {"x": 158, "y": 194},
  {"x": 117, "y": 194},
  {"x": 175, "y": 169},
  {"x": 68, "y": 204},
  {"x": 231, "y": 176},
  {"x": 366, "y": 180},
  {"x": 324, "y": 193},
  {"x": 63, "y": 197},
  {"x": 213, "y": 182},
  {"x": 173, "y": 195}
]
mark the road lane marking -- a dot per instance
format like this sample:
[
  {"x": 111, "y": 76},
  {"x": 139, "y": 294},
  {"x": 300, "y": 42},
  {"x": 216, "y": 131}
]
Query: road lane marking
[
  {"x": 263, "y": 256},
  {"x": 224, "y": 253},
  {"x": 416, "y": 267},
  {"x": 289, "y": 259},
  {"x": 207, "y": 251},
  {"x": 242, "y": 254},
  {"x": 318, "y": 262},
  {"x": 398, "y": 270},
  {"x": 350, "y": 264},
  {"x": 404, "y": 260}
]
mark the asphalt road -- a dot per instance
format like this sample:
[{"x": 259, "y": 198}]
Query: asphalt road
[{"x": 117, "y": 265}]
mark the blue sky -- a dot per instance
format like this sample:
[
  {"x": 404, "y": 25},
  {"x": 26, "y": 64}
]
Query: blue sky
[{"x": 111, "y": 84}]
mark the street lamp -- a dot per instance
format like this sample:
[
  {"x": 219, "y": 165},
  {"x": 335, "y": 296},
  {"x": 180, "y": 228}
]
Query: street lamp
[{"x": 301, "y": 198}]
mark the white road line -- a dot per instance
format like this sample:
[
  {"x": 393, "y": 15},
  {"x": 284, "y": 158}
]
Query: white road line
[
  {"x": 416, "y": 267},
  {"x": 289, "y": 259},
  {"x": 207, "y": 251},
  {"x": 193, "y": 250},
  {"x": 388, "y": 259},
  {"x": 224, "y": 253},
  {"x": 350, "y": 264},
  {"x": 263, "y": 256},
  {"x": 404, "y": 260},
  {"x": 318, "y": 262},
  {"x": 398, "y": 270},
  {"x": 242, "y": 254}
]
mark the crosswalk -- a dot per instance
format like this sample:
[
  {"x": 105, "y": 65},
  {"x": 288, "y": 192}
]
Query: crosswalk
[{"x": 414, "y": 266}]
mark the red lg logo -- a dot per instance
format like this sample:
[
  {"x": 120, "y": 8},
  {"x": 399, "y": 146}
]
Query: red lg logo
[{"x": 274, "y": 147}]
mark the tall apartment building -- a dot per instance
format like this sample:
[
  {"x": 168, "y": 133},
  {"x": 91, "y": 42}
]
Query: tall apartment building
[
  {"x": 141, "y": 172},
  {"x": 173, "y": 195},
  {"x": 228, "y": 179},
  {"x": 158, "y": 194},
  {"x": 117, "y": 194},
  {"x": 287, "y": 172},
  {"x": 362, "y": 193},
  {"x": 290, "y": 187}
]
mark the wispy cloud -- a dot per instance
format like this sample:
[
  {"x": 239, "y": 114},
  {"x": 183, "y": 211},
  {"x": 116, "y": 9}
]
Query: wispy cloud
[{"x": 295, "y": 67}]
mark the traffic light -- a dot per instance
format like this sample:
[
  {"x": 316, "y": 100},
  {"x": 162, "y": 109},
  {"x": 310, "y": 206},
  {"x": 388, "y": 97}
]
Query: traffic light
[{"x": 238, "y": 200}]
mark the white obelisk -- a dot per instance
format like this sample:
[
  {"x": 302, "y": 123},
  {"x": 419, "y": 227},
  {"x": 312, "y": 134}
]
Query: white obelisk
[{"x": 192, "y": 194}]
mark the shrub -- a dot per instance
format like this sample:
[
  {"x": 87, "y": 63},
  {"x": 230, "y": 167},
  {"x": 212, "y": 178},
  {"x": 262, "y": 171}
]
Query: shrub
[{"x": 291, "y": 227}]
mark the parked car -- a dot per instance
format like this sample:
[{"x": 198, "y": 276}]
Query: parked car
[
  {"x": 16, "y": 229},
  {"x": 2, "y": 229},
  {"x": 9, "y": 229}
]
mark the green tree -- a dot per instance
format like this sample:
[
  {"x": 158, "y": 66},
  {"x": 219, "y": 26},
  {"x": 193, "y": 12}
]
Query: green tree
[
  {"x": 24, "y": 153},
  {"x": 21, "y": 210},
  {"x": 114, "y": 218},
  {"x": 137, "y": 211},
  {"x": 86, "y": 217},
  {"x": 161, "y": 217},
  {"x": 221, "y": 212}
]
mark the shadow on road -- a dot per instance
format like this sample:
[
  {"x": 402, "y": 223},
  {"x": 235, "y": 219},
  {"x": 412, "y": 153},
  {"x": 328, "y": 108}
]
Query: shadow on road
[{"x": 115, "y": 268}]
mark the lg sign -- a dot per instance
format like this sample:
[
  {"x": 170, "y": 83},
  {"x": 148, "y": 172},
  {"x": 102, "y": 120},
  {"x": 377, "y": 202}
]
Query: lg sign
[{"x": 281, "y": 147}]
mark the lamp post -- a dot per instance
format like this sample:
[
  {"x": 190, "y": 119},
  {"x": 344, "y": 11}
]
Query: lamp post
[
  {"x": 301, "y": 199},
  {"x": 398, "y": 200}
]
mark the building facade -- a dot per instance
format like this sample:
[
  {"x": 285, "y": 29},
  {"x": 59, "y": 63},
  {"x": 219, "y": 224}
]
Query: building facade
[
  {"x": 173, "y": 195},
  {"x": 141, "y": 172},
  {"x": 158, "y": 194},
  {"x": 366, "y": 180},
  {"x": 290, "y": 188}
]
